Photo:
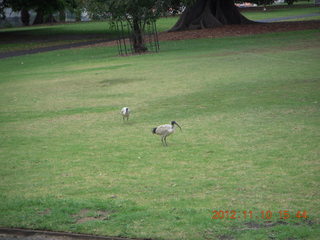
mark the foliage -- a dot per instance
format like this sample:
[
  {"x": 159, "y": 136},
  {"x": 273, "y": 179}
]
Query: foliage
[
  {"x": 96, "y": 10},
  {"x": 44, "y": 9},
  {"x": 290, "y": 2},
  {"x": 47, "y": 7},
  {"x": 137, "y": 13},
  {"x": 3, "y": 5}
]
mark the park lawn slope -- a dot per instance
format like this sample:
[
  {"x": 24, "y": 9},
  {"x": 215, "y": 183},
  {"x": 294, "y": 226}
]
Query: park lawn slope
[{"x": 249, "y": 111}]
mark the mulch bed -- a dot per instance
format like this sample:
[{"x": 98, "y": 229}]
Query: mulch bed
[
  {"x": 240, "y": 30},
  {"x": 233, "y": 31}
]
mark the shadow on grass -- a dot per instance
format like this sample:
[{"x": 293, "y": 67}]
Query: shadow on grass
[{"x": 116, "y": 81}]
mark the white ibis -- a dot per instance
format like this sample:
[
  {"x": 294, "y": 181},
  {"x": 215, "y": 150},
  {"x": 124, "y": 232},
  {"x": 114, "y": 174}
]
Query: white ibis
[
  {"x": 165, "y": 130},
  {"x": 125, "y": 112}
]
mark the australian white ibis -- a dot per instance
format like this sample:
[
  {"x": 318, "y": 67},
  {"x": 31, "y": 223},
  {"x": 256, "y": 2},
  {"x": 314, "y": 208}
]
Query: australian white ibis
[
  {"x": 165, "y": 130},
  {"x": 125, "y": 112}
]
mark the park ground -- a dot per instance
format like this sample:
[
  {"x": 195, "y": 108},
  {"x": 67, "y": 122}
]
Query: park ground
[{"x": 245, "y": 166}]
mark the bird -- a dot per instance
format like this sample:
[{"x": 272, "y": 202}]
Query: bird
[
  {"x": 165, "y": 130},
  {"x": 125, "y": 112}
]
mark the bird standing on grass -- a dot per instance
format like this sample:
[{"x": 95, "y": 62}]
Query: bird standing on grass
[
  {"x": 125, "y": 112},
  {"x": 165, "y": 130}
]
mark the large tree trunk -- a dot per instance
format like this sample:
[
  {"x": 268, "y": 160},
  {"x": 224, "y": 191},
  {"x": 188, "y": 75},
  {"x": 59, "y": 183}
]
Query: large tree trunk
[
  {"x": 138, "y": 44},
  {"x": 42, "y": 18},
  {"x": 25, "y": 17},
  {"x": 39, "y": 17},
  {"x": 62, "y": 16},
  {"x": 77, "y": 13},
  {"x": 49, "y": 19},
  {"x": 209, "y": 14}
]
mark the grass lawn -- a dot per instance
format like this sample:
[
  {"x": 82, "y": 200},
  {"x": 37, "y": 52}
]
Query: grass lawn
[
  {"x": 281, "y": 12},
  {"x": 249, "y": 110},
  {"x": 12, "y": 39}
]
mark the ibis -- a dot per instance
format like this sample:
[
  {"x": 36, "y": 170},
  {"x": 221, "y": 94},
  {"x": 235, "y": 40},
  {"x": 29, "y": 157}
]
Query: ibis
[
  {"x": 125, "y": 112},
  {"x": 165, "y": 130}
]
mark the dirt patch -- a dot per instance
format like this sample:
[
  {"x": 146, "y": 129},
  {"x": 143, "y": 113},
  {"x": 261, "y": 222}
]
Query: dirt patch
[
  {"x": 29, "y": 234},
  {"x": 254, "y": 225},
  {"x": 240, "y": 30},
  {"x": 232, "y": 31},
  {"x": 116, "y": 81},
  {"x": 225, "y": 237},
  {"x": 44, "y": 212},
  {"x": 268, "y": 224},
  {"x": 86, "y": 215}
]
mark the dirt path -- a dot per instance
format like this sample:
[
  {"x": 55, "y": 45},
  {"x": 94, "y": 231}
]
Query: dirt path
[
  {"x": 288, "y": 18},
  {"x": 25, "y": 234},
  {"x": 51, "y": 48}
]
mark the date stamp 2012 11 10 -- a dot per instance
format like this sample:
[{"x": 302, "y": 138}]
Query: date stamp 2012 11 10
[{"x": 282, "y": 214}]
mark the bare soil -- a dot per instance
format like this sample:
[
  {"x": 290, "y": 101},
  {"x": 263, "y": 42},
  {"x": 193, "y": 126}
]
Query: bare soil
[{"x": 233, "y": 31}]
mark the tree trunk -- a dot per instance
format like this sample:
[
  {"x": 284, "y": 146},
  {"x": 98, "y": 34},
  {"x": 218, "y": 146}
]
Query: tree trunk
[
  {"x": 78, "y": 15},
  {"x": 62, "y": 16},
  {"x": 39, "y": 17},
  {"x": 49, "y": 19},
  {"x": 42, "y": 18},
  {"x": 138, "y": 44},
  {"x": 25, "y": 17},
  {"x": 209, "y": 14}
]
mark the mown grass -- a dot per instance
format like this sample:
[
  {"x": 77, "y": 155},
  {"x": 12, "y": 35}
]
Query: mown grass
[
  {"x": 249, "y": 109},
  {"x": 281, "y": 12}
]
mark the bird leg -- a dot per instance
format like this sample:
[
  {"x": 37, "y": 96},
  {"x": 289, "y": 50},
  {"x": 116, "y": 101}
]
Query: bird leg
[
  {"x": 165, "y": 140},
  {"x": 162, "y": 140}
]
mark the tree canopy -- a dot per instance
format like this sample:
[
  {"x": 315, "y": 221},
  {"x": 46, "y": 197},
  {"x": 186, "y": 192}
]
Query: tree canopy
[{"x": 44, "y": 9}]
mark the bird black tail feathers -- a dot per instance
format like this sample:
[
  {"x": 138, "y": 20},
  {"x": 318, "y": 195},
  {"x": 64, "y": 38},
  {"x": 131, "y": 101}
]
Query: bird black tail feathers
[{"x": 154, "y": 130}]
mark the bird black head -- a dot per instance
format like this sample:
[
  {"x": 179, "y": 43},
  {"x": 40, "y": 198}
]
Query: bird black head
[
  {"x": 175, "y": 123},
  {"x": 154, "y": 130}
]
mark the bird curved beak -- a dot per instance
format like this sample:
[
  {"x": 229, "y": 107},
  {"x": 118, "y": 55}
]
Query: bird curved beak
[{"x": 179, "y": 126}]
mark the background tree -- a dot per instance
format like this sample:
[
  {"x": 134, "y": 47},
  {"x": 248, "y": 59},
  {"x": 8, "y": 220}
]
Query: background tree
[
  {"x": 290, "y": 2},
  {"x": 20, "y": 5},
  {"x": 97, "y": 10},
  {"x": 263, "y": 3},
  {"x": 44, "y": 9},
  {"x": 3, "y": 5},
  {"x": 137, "y": 13}
]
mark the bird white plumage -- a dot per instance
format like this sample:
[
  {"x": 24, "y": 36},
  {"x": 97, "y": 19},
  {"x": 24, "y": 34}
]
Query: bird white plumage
[
  {"x": 125, "y": 112},
  {"x": 165, "y": 130}
]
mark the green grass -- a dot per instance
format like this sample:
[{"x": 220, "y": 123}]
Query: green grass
[
  {"x": 299, "y": 3},
  {"x": 249, "y": 109},
  {"x": 277, "y": 13},
  {"x": 22, "y": 38}
]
